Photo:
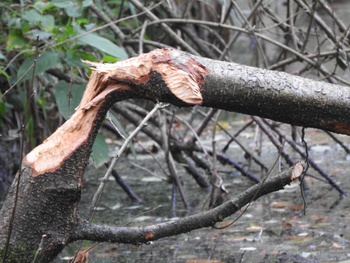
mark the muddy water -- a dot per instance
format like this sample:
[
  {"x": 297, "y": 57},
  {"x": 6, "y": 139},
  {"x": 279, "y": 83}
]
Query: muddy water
[{"x": 273, "y": 229}]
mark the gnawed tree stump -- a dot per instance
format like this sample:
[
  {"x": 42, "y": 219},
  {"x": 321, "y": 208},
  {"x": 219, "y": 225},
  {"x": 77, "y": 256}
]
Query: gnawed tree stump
[{"x": 51, "y": 181}]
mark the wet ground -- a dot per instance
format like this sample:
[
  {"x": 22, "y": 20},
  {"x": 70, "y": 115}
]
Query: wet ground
[{"x": 273, "y": 229}]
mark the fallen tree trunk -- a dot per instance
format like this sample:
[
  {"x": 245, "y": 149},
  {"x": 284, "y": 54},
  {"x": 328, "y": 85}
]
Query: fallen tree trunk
[{"x": 50, "y": 180}]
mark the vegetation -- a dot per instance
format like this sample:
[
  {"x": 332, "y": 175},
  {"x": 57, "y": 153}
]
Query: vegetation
[{"x": 43, "y": 77}]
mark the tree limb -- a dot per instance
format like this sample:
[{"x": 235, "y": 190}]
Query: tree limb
[
  {"x": 270, "y": 94},
  {"x": 138, "y": 235}
]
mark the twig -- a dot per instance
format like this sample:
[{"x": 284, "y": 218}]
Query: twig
[
  {"x": 299, "y": 55},
  {"x": 140, "y": 214},
  {"x": 115, "y": 159},
  {"x": 217, "y": 190},
  {"x": 37, "y": 57},
  {"x": 170, "y": 162},
  {"x": 346, "y": 149},
  {"x": 257, "y": 191},
  {"x": 165, "y": 27},
  {"x": 312, "y": 163},
  {"x": 19, "y": 175},
  {"x": 142, "y": 36},
  {"x": 125, "y": 186},
  {"x": 40, "y": 248},
  {"x": 149, "y": 171},
  {"x": 137, "y": 235},
  {"x": 302, "y": 177},
  {"x": 235, "y": 37},
  {"x": 224, "y": 159}
]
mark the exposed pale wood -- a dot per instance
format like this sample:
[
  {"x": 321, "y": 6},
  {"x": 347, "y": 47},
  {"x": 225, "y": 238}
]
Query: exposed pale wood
[{"x": 50, "y": 155}]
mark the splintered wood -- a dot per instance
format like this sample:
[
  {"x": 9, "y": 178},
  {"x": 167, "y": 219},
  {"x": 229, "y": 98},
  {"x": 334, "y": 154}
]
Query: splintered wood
[{"x": 183, "y": 76}]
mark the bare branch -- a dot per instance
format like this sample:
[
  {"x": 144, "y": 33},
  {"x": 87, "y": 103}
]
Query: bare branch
[{"x": 138, "y": 235}]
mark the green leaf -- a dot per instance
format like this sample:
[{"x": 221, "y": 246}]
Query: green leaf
[
  {"x": 104, "y": 45},
  {"x": 2, "y": 107},
  {"x": 134, "y": 12},
  {"x": 100, "y": 153},
  {"x": 32, "y": 16},
  {"x": 87, "y": 3},
  {"x": 62, "y": 93},
  {"x": 15, "y": 40},
  {"x": 47, "y": 23},
  {"x": 4, "y": 73},
  {"x": 114, "y": 120},
  {"x": 72, "y": 8},
  {"x": 43, "y": 6},
  {"x": 33, "y": 34},
  {"x": 73, "y": 57},
  {"x": 47, "y": 60},
  {"x": 109, "y": 59}
]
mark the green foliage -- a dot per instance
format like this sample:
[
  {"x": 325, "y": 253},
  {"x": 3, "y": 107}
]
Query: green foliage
[
  {"x": 47, "y": 60},
  {"x": 104, "y": 45},
  {"x": 72, "y": 8},
  {"x": 100, "y": 153},
  {"x": 2, "y": 110},
  {"x": 15, "y": 40},
  {"x": 55, "y": 32},
  {"x": 116, "y": 123},
  {"x": 67, "y": 103}
]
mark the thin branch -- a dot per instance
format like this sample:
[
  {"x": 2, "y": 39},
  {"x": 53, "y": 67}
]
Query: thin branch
[
  {"x": 264, "y": 37},
  {"x": 165, "y": 27},
  {"x": 139, "y": 235},
  {"x": 115, "y": 159}
]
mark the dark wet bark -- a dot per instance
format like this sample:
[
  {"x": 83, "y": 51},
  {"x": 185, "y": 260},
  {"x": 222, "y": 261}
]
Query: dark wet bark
[{"x": 139, "y": 235}]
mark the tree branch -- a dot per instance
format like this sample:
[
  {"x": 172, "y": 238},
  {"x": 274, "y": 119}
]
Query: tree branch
[
  {"x": 138, "y": 235},
  {"x": 200, "y": 81}
]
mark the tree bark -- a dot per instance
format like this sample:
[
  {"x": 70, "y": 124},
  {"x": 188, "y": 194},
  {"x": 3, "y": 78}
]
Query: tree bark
[
  {"x": 51, "y": 176},
  {"x": 269, "y": 94}
]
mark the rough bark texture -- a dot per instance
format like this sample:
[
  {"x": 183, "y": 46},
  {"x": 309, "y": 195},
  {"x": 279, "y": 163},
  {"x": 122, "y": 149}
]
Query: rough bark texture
[
  {"x": 51, "y": 180},
  {"x": 270, "y": 94},
  {"x": 276, "y": 95}
]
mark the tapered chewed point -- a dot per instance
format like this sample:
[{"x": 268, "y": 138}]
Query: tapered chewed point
[
  {"x": 75, "y": 132},
  {"x": 50, "y": 155},
  {"x": 297, "y": 171},
  {"x": 184, "y": 77}
]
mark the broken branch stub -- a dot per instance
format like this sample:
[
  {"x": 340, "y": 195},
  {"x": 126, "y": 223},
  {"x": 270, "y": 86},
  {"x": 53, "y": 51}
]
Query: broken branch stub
[{"x": 297, "y": 171}]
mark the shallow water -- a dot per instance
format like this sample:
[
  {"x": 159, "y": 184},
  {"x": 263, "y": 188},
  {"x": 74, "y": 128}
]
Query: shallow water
[{"x": 273, "y": 229}]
